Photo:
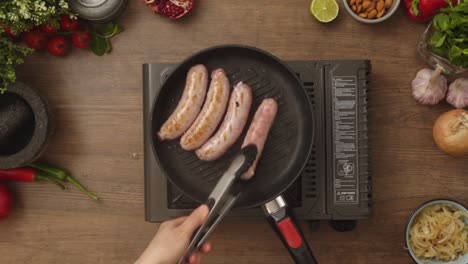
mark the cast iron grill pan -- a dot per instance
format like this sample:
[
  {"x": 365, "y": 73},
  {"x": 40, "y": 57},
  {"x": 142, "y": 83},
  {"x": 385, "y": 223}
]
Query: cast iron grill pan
[{"x": 288, "y": 145}]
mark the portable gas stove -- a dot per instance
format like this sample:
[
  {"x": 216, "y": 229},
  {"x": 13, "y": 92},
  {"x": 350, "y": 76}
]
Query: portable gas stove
[{"x": 334, "y": 185}]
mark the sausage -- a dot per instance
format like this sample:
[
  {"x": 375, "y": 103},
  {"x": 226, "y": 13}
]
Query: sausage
[
  {"x": 233, "y": 124},
  {"x": 258, "y": 131},
  {"x": 211, "y": 113},
  {"x": 189, "y": 105}
]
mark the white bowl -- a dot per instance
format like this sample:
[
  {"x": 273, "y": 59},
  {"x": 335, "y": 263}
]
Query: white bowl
[
  {"x": 390, "y": 12},
  {"x": 461, "y": 259}
]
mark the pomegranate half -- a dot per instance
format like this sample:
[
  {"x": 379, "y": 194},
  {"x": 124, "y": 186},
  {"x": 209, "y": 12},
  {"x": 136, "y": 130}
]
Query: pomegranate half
[{"x": 172, "y": 9}]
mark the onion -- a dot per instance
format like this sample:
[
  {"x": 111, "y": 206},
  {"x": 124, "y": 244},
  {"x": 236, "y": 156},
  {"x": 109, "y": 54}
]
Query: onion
[
  {"x": 447, "y": 236},
  {"x": 451, "y": 132}
]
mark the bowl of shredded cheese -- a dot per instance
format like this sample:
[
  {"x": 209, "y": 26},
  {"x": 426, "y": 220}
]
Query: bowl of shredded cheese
[{"x": 437, "y": 233}]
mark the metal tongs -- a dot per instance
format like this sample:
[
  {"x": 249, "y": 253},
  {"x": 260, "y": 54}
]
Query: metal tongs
[{"x": 222, "y": 198}]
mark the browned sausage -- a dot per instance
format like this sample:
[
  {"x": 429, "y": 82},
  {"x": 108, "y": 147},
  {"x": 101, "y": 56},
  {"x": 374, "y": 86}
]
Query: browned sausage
[
  {"x": 189, "y": 105},
  {"x": 232, "y": 126},
  {"x": 211, "y": 113}
]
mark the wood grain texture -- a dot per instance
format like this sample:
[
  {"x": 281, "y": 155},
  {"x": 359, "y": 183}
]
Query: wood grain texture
[{"x": 97, "y": 103}]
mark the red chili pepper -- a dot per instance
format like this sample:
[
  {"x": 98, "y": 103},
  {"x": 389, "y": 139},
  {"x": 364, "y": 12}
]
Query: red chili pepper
[
  {"x": 27, "y": 175},
  {"x": 424, "y": 10}
]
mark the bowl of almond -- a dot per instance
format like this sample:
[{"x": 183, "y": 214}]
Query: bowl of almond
[{"x": 371, "y": 11}]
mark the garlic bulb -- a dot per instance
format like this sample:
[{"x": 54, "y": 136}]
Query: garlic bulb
[
  {"x": 458, "y": 93},
  {"x": 429, "y": 87}
]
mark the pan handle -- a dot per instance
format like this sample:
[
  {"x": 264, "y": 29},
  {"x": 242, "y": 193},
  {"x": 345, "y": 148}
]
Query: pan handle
[{"x": 285, "y": 226}]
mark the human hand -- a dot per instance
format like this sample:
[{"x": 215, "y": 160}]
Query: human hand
[{"x": 172, "y": 240}]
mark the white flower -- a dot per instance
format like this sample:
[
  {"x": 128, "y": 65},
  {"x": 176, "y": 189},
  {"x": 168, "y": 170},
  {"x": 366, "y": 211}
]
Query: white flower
[{"x": 25, "y": 14}]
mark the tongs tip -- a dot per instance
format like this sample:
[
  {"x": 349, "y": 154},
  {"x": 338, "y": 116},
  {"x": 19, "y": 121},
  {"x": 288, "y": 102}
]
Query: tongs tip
[{"x": 250, "y": 153}]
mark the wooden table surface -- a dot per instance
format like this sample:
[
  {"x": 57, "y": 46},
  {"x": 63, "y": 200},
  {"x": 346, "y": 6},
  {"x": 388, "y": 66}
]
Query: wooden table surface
[{"x": 97, "y": 103}]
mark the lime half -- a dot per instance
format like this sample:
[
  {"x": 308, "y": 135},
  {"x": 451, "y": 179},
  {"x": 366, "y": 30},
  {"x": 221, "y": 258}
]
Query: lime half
[{"x": 324, "y": 10}]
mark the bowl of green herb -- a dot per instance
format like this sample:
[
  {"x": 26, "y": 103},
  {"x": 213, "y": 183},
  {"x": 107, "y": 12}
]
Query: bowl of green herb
[{"x": 445, "y": 41}]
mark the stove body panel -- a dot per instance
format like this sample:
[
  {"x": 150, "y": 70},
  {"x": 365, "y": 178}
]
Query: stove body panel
[{"x": 314, "y": 195}]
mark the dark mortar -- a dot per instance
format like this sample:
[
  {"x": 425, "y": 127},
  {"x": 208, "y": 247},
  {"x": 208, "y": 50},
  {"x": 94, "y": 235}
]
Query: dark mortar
[
  {"x": 16, "y": 124},
  {"x": 25, "y": 126}
]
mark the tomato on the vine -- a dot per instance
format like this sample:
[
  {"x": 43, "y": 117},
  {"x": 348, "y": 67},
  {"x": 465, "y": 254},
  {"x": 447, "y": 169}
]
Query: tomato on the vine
[{"x": 68, "y": 24}]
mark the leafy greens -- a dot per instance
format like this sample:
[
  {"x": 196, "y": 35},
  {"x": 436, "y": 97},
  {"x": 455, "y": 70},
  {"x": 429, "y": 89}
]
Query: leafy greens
[{"x": 450, "y": 37}]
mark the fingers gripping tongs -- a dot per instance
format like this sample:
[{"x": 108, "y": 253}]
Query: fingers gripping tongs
[{"x": 222, "y": 198}]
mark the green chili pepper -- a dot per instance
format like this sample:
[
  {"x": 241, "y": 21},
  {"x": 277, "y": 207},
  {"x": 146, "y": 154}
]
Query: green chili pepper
[
  {"x": 51, "y": 180},
  {"x": 61, "y": 175}
]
